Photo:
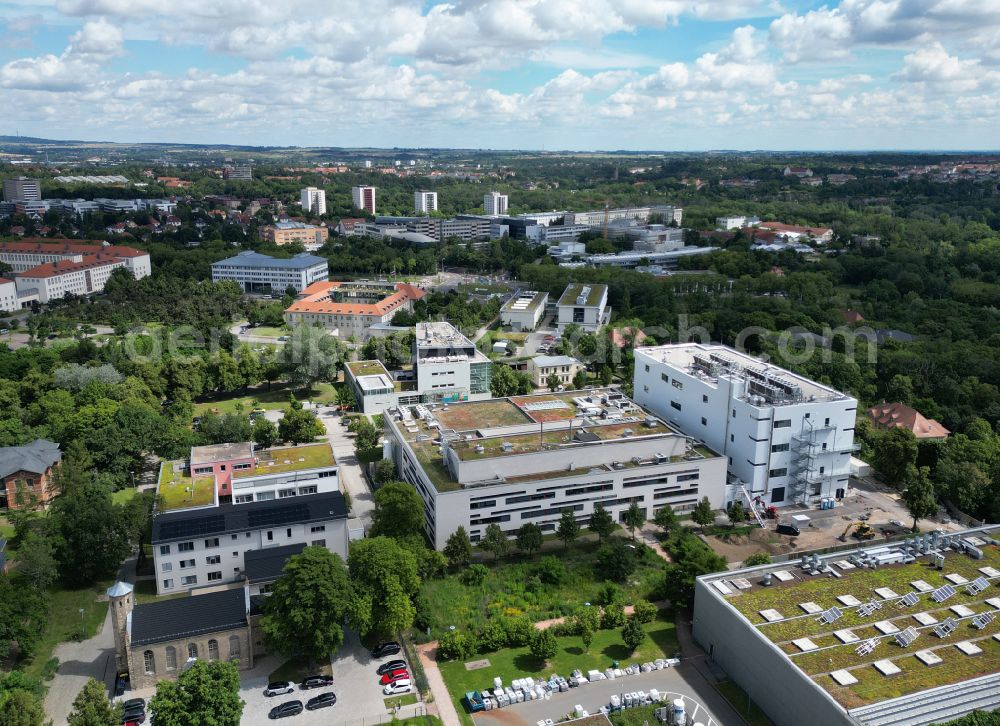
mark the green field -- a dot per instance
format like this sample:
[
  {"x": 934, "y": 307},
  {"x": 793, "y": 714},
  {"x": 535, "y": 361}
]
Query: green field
[
  {"x": 266, "y": 331},
  {"x": 275, "y": 399},
  {"x": 405, "y": 700},
  {"x": 65, "y": 622},
  {"x": 512, "y": 663},
  {"x": 178, "y": 490},
  {"x": 514, "y": 588}
]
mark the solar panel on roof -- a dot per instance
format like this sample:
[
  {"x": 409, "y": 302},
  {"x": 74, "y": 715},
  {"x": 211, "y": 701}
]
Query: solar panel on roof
[
  {"x": 867, "y": 646},
  {"x": 946, "y": 628},
  {"x": 278, "y": 515},
  {"x": 942, "y": 593},
  {"x": 978, "y": 585},
  {"x": 981, "y": 621},
  {"x": 868, "y": 608},
  {"x": 830, "y": 615},
  {"x": 193, "y": 527},
  {"x": 907, "y": 636},
  {"x": 907, "y": 600}
]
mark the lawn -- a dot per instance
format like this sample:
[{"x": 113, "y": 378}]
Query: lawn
[
  {"x": 178, "y": 490},
  {"x": 65, "y": 622},
  {"x": 6, "y": 529},
  {"x": 480, "y": 414},
  {"x": 297, "y": 668},
  {"x": 272, "y": 400},
  {"x": 123, "y": 496},
  {"x": 266, "y": 331},
  {"x": 606, "y": 648},
  {"x": 367, "y": 367},
  {"x": 405, "y": 700},
  {"x": 290, "y": 458},
  {"x": 513, "y": 588}
]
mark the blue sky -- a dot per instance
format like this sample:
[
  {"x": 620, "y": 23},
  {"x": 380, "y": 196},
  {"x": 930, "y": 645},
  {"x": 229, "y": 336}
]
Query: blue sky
[{"x": 554, "y": 74}]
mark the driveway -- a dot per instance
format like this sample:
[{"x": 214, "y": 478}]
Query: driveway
[{"x": 353, "y": 480}]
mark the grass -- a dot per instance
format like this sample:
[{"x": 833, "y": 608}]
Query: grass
[
  {"x": 122, "y": 496},
  {"x": 271, "y": 400},
  {"x": 641, "y": 716},
  {"x": 481, "y": 414},
  {"x": 267, "y": 331},
  {"x": 405, "y": 700},
  {"x": 513, "y": 588},
  {"x": 174, "y": 486},
  {"x": 366, "y": 367},
  {"x": 65, "y": 622},
  {"x": 746, "y": 708},
  {"x": 606, "y": 647},
  {"x": 297, "y": 668},
  {"x": 311, "y": 456},
  {"x": 6, "y": 529}
]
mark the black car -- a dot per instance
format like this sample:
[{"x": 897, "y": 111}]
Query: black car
[
  {"x": 392, "y": 665},
  {"x": 134, "y": 715},
  {"x": 321, "y": 701},
  {"x": 383, "y": 649},
  {"x": 318, "y": 681},
  {"x": 790, "y": 529},
  {"x": 288, "y": 708},
  {"x": 134, "y": 703}
]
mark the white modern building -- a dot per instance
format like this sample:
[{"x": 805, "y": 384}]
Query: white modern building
[
  {"x": 524, "y": 311},
  {"x": 425, "y": 202},
  {"x": 509, "y": 461},
  {"x": 554, "y": 234},
  {"x": 665, "y": 213},
  {"x": 736, "y": 221},
  {"x": 313, "y": 201},
  {"x": 256, "y": 272},
  {"x": 363, "y": 197},
  {"x": 28, "y": 253},
  {"x": 21, "y": 189},
  {"x": 787, "y": 439},
  {"x": 448, "y": 366},
  {"x": 585, "y": 305},
  {"x": 495, "y": 204},
  {"x": 8, "y": 296}
]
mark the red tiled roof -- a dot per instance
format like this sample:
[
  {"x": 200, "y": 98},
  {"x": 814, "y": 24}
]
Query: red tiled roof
[
  {"x": 316, "y": 299},
  {"x": 4, "y": 281},
  {"x": 899, "y": 415},
  {"x": 83, "y": 247},
  {"x": 782, "y": 227},
  {"x": 852, "y": 316},
  {"x": 52, "y": 269}
]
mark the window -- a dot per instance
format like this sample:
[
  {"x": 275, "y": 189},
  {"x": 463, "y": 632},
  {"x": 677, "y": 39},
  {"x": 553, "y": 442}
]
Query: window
[
  {"x": 171, "y": 658},
  {"x": 187, "y": 563},
  {"x": 734, "y": 413},
  {"x": 704, "y": 398},
  {"x": 203, "y": 470},
  {"x": 783, "y": 423},
  {"x": 189, "y": 580},
  {"x": 167, "y": 584},
  {"x": 242, "y": 499},
  {"x": 167, "y": 567},
  {"x": 687, "y": 477},
  {"x": 777, "y": 448},
  {"x": 783, "y": 471},
  {"x": 213, "y": 560},
  {"x": 677, "y": 384},
  {"x": 288, "y": 532},
  {"x": 213, "y": 649},
  {"x": 647, "y": 368},
  {"x": 318, "y": 528},
  {"x": 311, "y": 489},
  {"x": 164, "y": 549},
  {"x": 233, "y": 536},
  {"x": 663, "y": 376},
  {"x": 234, "y": 647},
  {"x": 270, "y": 536},
  {"x": 212, "y": 542},
  {"x": 192, "y": 650},
  {"x": 318, "y": 543},
  {"x": 674, "y": 404},
  {"x": 777, "y": 495},
  {"x": 215, "y": 576},
  {"x": 732, "y": 437},
  {"x": 704, "y": 421},
  {"x": 283, "y": 493},
  {"x": 149, "y": 662},
  {"x": 826, "y": 422},
  {"x": 185, "y": 546}
]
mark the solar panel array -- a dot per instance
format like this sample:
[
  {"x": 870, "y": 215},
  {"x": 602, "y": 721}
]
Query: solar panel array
[
  {"x": 978, "y": 585},
  {"x": 910, "y": 598},
  {"x": 981, "y": 621},
  {"x": 277, "y": 516},
  {"x": 867, "y": 646},
  {"x": 907, "y": 636},
  {"x": 942, "y": 593},
  {"x": 830, "y": 615},
  {"x": 868, "y": 608},
  {"x": 946, "y": 628},
  {"x": 194, "y": 527}
]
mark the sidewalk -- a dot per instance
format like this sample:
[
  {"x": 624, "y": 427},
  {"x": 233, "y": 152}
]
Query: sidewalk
[{"x": 442, "y": 699}]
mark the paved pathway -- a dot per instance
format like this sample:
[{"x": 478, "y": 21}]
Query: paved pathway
[
  {"x": 629, "y": 609},
  {"x": 351, "y": 477},
  {"x": 442, "y": 699}
]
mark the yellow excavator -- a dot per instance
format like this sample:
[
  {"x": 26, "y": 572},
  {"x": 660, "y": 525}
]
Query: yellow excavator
[{"x": 861, "y": 531}]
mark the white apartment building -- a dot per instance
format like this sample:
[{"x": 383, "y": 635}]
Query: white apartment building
[
  {"x": 58, "y": 279},
  {"x": 668, "y": 213},
  {"x": 554, "y": 234},
  {"x": 787, "y": 439},
  {"x": 313, "y": 201},
  {"x": 195, "y": 548},
  {"x": 8, "y": 296},
  {"x": 448, "y": 366},
  {"x": 524, "y": 311},
  {"x": 256, "y": 272},
  {"x": 495, "y": 204},
  {"x": 425, "y": 202},
  {"x": 29, "y": 253},
  {"x": 585, "y": 305},
  {"x": 736, "y": 221},
  {"x": 21, "y": 189},
  {"x": 527, "y": 459},
  {"x": 363, "y": 197}
]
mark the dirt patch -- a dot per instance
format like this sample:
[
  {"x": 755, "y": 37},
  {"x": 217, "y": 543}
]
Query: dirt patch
[{"x": 475, "y": 665}]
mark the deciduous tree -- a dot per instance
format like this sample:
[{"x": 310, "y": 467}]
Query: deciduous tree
[
  {"x": 385, "y": 578},
  {"x": 399, "y": 511},
  {"x": 458, "y": 548},
  {"x": 92, "y": 707},
  {"x": 495, "y": 541},
  {"x": 601, "y": 522},
  {"x": 529, "y": 538},
  {"x": 206, "y": 693}
]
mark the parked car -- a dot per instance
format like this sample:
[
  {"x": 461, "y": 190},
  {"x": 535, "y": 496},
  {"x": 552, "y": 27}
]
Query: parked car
[
  {"x": 321, "y": 701},
  {"x": 394, "y": 689},
  {"x": 383, "y": 649},
  {"x": 288, "y": 708},
  {"x": 392, "y": 665},
  {"x": 317, "y": 681},
  {"x": 393, "y": 676},
  {"x": 279, "y": 688},
  {"x": 134, "y": 703},
  {"x": 785, "y": 528},
  {"x": 135, "y": 715}
]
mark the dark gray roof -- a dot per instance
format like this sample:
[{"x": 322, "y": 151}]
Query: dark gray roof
[
  {"x": 252, "y": 259},
  {"x": 266, "y": 565},
  {"x": 187, "y": 617},
  {"x": 227, "y": 518},
  {"x": 35, "y": 457}
]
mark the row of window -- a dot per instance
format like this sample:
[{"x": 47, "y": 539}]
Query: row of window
[{"x": 170, "y": 654}]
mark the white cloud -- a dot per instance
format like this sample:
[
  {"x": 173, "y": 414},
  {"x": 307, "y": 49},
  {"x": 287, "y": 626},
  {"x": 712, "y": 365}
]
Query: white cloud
[
  {"x": 932, "y": 66},
  {"x": 74, "y": 69}
]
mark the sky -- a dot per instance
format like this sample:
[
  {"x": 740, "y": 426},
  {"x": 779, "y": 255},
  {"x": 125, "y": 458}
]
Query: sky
[{"x": 506, "y": 74}]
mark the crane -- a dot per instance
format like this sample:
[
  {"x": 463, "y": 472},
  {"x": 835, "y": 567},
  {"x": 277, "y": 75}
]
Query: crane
[{"x": 607, "y": 209}]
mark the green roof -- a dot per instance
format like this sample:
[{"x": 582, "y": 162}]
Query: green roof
[
  {"x": 177, "y": 490},
  {"x": 292, "y": 458},
  {"x": 367, "y": 368},
  {"x": 574, "y": 290}
]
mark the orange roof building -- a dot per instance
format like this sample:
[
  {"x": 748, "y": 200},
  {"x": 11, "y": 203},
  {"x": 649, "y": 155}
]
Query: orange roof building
[
  {"x": 887, "y": 416},
  {"x": 620, "y": 337},
  {"x": 852, "y": 316},
  {"x": 349, "y": 309}
]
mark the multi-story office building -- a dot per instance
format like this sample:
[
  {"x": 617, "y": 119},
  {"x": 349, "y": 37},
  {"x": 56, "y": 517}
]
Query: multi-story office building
[
  {"x": 364, "y": 198},
  {"x": 240, "y": 172},
  {"x": 351, "y": 308},
  {"x": 555, "y": 233},
  {"x": 529, "y": 458},
  {"x": 585, "y": 305},
  {"x": 21, "y": 189},
  {"x": 495, "y": 204},
  {"x": 425, "y": 202},
  {"x": 313, "y": 201},
  {"x": 524, "y": 311},
  {"x": 787, "y": 439},
  {"x": 665, "y": 213},
  {"x": 256, "y": 272},
  {"x": 28, "y": 253},
  {"x": 286, "y": 233},
  {"x": 736, "y": 221},
  {"x": 447, "y": 365},
  {"x": 55, "y": 280},
  {"x": 8, "y": 296}
]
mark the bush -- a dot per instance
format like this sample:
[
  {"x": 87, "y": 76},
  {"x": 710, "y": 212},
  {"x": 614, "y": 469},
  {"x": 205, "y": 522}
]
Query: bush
[
  {"x": 493, "y": 636},
  {"x": 633, "y": 634},
  {"x": 645, "y": 611},
  {"x": 551, "y": 570},
  {"x": 613, "y": 616},
  {"x": 757, "y": 558},
  {"x": 609, "y": 593},
  {"x": 615, "y": 561},
  {"x": 544, "y": 645},
  {"x": 455, "y": 645},
  {"x": 475, "y": 575},
  {"x": 520, "y": 631}
]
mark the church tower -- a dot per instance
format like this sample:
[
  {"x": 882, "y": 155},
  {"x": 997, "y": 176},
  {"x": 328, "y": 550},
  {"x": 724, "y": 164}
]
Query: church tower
[{"x": 122, "y": 600}]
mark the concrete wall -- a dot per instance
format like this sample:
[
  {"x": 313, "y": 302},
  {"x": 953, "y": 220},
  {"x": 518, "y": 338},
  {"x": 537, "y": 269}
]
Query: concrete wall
[{"x": 241, "y": 655}]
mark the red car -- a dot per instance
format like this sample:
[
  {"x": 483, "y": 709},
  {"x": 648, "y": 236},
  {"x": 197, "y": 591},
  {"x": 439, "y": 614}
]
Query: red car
[{"x": 393, "y": 676}]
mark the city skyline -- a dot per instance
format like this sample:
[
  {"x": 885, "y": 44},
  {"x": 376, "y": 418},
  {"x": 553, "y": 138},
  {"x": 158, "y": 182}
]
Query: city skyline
[{"x": 506, "y": 74}]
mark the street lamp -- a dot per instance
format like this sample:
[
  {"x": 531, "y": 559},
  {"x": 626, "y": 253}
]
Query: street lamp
[{"x": 83, "y": 628}]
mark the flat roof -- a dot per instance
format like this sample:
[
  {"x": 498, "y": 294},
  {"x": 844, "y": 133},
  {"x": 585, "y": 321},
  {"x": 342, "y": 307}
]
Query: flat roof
[
  {"x": 253, "y": 260},
  {"x": 367, "y": 368},
  {"x": 525, "y": 301},
  {"x": 575, "y": 290},
  {"x": 216, "y": 453},
  {"x": 289, "y": 458},
  {"x": 441, "y": 335},
  {"x": 789, "y": 612}
]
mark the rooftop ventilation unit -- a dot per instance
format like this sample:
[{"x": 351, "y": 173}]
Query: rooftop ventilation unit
[{"x": 581, "y": 299}]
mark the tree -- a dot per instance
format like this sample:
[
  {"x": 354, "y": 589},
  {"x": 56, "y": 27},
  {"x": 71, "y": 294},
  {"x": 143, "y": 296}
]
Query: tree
[
  {"x": 311, "y": 355},
  {"x": 207, "y": 693},
  {"x": 568, "y": 529},
  {"x": 757, "y": 558},
  {"x": 613, "y": 615},
  {"x": 495, "y": 541},
  {"x": 644, "y": 611},
  {"x": 544, "y": 645},
  {"x": 736, "y": 512},
  {"x": 702, "y": 513},
  {"x": 398, "y": 512},
  {"x": 92, "y": 707},
  {"x": 385, "y": 579},
  {"x": 503, "y": 383},
  {"x": 299, "y": 426},
  {"x": 633, "y": 518},
  {"x": 895, "y": 451},
  {"x": 615, "y": 561},
  {"x": 587, "y": 617},
  {"x": 633, "y": 634},
  {"x": 36, "y": 561},
  {"x": 265, "y": 433},
  {"x": 367, "y": 441},
  {"x": 665, "y": 518},
  {"x": 580, "y": 380},
  {"x": 529, "y": 538},
  {"x": 91, "y": 539},
  {"x": 919, "y": 495},
  {"x": 307, "y": 608},
  {"x": 691, "y": 559},
  {"x": 458, "y": 548},
  {"x": 553, "y": 382},
  {"x": 345, "y": 397},
  {"x": 601, "y": 522},
  {"x": 385, "y": 471},
  {"x": 21, "y": 708},
  {"x": 587, "y": 636}
]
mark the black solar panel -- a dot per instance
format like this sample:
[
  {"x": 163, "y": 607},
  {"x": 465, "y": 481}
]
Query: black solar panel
[
  {"x": 276, "y": 516},
  {"x": 193, "y": 527}
]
